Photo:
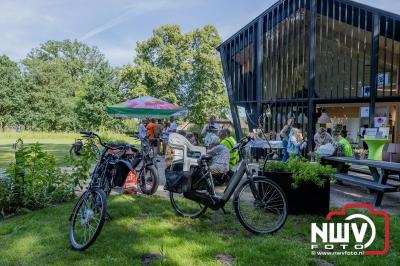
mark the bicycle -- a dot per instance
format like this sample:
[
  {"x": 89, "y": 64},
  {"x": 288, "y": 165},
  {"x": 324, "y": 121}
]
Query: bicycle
[
  {"x": 77, "y": 146},
  {"x": 259, "y": 203},
  {"x": 90, "y": 212},
  {"x": 148, "y": 178}
]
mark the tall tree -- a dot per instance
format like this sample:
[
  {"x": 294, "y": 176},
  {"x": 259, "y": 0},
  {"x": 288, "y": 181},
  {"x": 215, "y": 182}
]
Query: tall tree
[
  {"x": 101, "y": 91},
  {"x": 64, "y": 78},
  {"x": 51, "y": 101},
  {"x": 183, "y": 68},
  {"x": 11, "y": 92}
]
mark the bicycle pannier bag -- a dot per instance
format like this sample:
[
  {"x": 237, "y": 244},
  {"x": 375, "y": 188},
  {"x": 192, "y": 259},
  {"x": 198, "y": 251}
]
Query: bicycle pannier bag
[{"x": 177, "y": 181}]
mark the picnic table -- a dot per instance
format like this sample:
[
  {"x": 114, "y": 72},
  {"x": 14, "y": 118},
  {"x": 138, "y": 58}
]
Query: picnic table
[{"x": 379, "y": 170}]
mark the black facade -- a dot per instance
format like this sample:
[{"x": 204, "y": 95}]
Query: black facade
[{"x": 301, "y": 53}]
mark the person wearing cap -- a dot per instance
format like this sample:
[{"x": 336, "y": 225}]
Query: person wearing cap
[
  {"x": 229, "y": 142},
  {"x": 220, "y": 156},
  {"x": 210, "y": 129},
  {"x": 347, "y": 150},
  {"x": 322, "y": 137}
]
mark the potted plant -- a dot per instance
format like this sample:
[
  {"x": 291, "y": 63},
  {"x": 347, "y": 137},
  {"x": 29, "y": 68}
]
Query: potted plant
[{"x": 306, "y": 184}]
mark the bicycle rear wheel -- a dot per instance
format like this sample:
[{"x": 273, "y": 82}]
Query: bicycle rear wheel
[
  {"x": 185, "y": 207},
  {"x": 87, "y": 219},
  {"x": 262, "y": 208}
]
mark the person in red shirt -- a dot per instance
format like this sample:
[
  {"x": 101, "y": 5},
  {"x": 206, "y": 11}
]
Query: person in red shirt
[{"x": 151, "y": 134}]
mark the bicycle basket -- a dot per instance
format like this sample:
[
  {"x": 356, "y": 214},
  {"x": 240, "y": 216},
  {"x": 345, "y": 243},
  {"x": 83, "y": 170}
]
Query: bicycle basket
[{"x": 177, "y": 181}]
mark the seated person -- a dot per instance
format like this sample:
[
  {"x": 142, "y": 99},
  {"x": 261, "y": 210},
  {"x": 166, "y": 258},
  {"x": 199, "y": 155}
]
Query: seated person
[
  {"x": 322, "y": 137},
  {"x": 347, "y": 150},
  {"x": 220, "y": 156},
  {"x": 195, "y": 139},
  {"x": 229, "y": 142}
]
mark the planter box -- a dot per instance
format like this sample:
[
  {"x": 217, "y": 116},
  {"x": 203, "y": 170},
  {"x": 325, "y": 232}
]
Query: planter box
[{"x": 308, "y": 198}]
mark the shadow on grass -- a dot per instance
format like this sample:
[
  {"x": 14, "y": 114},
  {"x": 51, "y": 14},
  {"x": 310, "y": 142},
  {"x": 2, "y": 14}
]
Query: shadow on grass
[{"x": 143, "y": 225}]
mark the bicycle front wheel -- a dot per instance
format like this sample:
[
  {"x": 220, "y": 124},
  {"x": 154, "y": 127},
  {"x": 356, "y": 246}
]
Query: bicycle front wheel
[
  {"x": 260, "y": 205},
  {"x": 149, "y": 180},
  {"x": 87, "y": 219}
]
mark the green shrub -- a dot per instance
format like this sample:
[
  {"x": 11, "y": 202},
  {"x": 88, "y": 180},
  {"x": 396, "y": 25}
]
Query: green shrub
[
  {"x": 79, "y": 166},
  {"x": 302, "y": 171},
  {"x": 35, "y": 180},
  {"x": 276, "y": 166}
]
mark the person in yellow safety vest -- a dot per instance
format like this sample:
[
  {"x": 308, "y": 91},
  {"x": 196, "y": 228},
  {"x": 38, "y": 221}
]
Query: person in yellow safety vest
[{"x": 229, "y": 142}]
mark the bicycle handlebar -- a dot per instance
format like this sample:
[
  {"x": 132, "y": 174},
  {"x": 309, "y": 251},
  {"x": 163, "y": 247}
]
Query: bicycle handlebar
[{"x": 91, "y": 134}]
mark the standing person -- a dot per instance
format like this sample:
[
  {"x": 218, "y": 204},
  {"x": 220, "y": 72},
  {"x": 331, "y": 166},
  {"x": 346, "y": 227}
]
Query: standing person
[
  {"x": 159, "y": 130},
  {"x": 285, "y": 132},
  {"x": 173, "y": 127},
  {"x": 322, "y": 137},
  {"x": 151, "y": 134},
  {"x": 229, "y": 142},
  {"x": 210, "y": 129},
  {"x": 296, "y": 142},
  {"x": 165, "y": 135},
  {"x": 142, "y": 129}
]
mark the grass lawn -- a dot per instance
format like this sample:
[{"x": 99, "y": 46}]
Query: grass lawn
[
  {"x": 57, "y": 144},
  {"x": 143, "y": 225}
]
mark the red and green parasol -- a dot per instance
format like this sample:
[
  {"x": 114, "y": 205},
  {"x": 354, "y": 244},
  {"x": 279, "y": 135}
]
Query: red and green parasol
[{"x": 146, "y": 106}]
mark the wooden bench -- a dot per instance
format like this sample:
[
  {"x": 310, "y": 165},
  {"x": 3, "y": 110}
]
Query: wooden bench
[
  {"x": 364, "y": 183},
  {"x": 368, "y": 172},
  {"x": 379, "y": 170}
]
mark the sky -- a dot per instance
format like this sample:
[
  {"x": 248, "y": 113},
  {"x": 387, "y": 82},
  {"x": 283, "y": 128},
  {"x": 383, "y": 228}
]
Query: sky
[{"x": 114, "y": 26}]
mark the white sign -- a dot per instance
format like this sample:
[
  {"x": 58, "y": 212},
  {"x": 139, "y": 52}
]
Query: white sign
[
  {"x": 364, "y": 111},
  {"x": 385, "y": 132},
  {"x": 383, "y": 78},
  {"x": 371, "y": 132}
]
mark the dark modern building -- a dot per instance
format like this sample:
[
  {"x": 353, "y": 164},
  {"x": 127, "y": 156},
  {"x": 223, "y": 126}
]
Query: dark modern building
[{"x": 302, "y": 58}]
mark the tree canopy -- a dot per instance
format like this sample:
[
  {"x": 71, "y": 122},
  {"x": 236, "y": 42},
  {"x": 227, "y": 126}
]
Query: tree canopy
[
  {"x": 11, "y": 92},
  {"x": 183, "y": 68},
  {"x": 66, "y": 85}
]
